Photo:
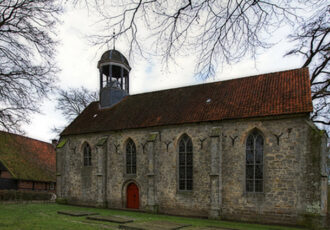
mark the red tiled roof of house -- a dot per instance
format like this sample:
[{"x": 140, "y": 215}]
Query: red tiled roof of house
[
  {"x": 26, "y": 158},
  {"x": 286, "y": 92}
]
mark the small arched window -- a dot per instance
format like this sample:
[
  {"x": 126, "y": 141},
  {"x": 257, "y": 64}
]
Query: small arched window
[
  {"x": 185, "y": 163},
  {"x": 254, "y": 162},
  {"x": 87, "y": 155},
  {"x": 130, "y": 157}
]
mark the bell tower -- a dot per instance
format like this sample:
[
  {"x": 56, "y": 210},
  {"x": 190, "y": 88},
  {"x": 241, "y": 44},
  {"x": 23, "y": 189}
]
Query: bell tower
[{"x": 114, "y": 78}]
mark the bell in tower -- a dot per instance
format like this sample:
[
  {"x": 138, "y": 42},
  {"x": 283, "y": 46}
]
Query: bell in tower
[{"x": 114, "y": 78}]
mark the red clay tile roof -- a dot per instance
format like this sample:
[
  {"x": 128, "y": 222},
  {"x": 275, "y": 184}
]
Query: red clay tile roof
[
  {"x": 279, "y": 93},
  {"x": 26, "y": 158}
]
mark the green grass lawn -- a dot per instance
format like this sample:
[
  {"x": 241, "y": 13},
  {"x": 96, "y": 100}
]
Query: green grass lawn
[{"x": 44, "y": 216}]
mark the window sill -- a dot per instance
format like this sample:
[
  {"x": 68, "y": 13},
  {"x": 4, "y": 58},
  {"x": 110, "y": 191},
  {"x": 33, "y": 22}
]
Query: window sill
[
  {"x": 184, "y": 192},
  {"x": 255, "y": 195},
  {"x": 129, "y": 176},
  {"x": 87, "y": 168}
]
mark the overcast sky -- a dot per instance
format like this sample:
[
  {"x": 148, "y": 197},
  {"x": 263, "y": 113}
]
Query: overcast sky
[{"x": 78, "y": 62}]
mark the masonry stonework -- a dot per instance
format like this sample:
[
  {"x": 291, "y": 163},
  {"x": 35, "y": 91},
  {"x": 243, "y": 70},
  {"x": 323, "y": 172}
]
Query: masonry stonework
[{"x": 292, "y": 166}]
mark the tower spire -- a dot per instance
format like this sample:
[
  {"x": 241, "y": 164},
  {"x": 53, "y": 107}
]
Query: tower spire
[
  {"x": 114, "y": 77},
  {"x": 114, "y": 39}
]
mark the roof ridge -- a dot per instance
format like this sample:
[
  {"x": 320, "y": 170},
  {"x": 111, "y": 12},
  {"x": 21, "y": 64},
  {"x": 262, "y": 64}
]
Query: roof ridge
[
  {"x": 277, "y": 93},
  {"x": 208, "y": 83},
  {"x": 26, "y": 137}
]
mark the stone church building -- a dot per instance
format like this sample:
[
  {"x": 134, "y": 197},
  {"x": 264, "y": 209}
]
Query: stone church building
[{"x": 241, "y": 149}]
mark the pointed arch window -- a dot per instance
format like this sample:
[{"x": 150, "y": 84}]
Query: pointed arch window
[
  {"x": 185, "y": 163},
  {"x": 254, "y": 162},
  {"x": 130, "y": 157},
  {"x": 87, "y": 155}
]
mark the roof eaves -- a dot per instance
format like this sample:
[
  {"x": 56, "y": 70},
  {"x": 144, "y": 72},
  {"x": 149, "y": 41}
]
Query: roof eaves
[
  {"x": 190, "y": 122},
  {"x": 10, "y": 171}
]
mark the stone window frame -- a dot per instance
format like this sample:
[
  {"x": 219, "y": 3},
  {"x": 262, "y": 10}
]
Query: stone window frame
[
  {"x": 87, "y": 155},
  {"x": 185, "y": 190},
  {"x": 133, "y": 158},
  {"x": 256, "y": 132}
]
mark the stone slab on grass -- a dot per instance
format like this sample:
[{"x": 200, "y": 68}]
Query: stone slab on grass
[
  {"x": 208, "y": 228},
  {"x": 114, "y": 219},
  {"x": 76, "y": 213},
  {"x": 153, "y": 225}
]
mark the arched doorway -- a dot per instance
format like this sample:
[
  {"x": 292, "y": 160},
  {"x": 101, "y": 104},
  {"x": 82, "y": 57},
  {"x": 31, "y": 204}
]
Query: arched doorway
[{"x": 132, "y": 196}]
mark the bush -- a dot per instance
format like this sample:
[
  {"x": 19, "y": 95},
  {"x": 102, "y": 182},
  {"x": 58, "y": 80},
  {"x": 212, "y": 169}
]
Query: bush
[
  {"x": 13, "y": 195},
  {"x": 61, "y": 201}
]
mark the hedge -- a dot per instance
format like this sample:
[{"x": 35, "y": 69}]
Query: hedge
[
  {"x": 7, "y": 195},
  {"x": 61, "y": 201}
]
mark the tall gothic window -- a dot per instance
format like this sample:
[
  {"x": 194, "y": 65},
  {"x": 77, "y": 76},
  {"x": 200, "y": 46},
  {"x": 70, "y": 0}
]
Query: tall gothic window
[
  {"x": 185, "y": 163},
  {"x": 254, "y": 162},
  {"x": 87, "y": 155},
  {"x": 130, "y": 157}
]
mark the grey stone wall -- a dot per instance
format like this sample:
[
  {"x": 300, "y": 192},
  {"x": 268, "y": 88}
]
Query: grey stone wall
[{"x": 292, "y": 170}]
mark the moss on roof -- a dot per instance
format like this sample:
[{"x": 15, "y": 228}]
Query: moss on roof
[
  {"x": 152, "y": 136},
  {"x": 26, "y": 158},
  {"x": 102, "y": 141},
  {"x": 61, "y": 144}
]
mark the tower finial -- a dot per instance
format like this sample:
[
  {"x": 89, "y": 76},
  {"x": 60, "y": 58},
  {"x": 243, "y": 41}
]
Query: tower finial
[{"x": 114, "y": 39}]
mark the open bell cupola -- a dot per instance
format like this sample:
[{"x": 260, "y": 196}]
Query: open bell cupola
[{"x": 114, "y": 77}]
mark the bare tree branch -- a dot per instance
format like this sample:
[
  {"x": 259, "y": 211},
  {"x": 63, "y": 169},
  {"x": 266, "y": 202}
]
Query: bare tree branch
[
  {"x": 212, "y": 31},
  {"x": 322, "y": 122},
  {"x": 217, "y": 32},
  {"x": 312, "y": 40},
  {"x": 72, "y": 102},
  {"x": 27, "y": 69}
]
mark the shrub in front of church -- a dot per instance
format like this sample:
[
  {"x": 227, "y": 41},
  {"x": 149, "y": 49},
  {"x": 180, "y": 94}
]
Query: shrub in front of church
[
  {"x": 17, "y": 195},
  {"x": 61, "y": 201}
]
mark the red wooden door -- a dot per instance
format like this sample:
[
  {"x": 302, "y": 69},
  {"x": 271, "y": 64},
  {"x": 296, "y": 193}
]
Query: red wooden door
[{"x": 132, "y": 196}]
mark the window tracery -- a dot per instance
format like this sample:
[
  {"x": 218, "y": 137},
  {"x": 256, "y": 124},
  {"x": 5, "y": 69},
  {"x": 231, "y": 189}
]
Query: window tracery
[
  {"x": 87, "y": 155},
  {"x": 130, "y": 157},
  {"x": 185, "y": 163},
  {"x": 254, "y": 162}
]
